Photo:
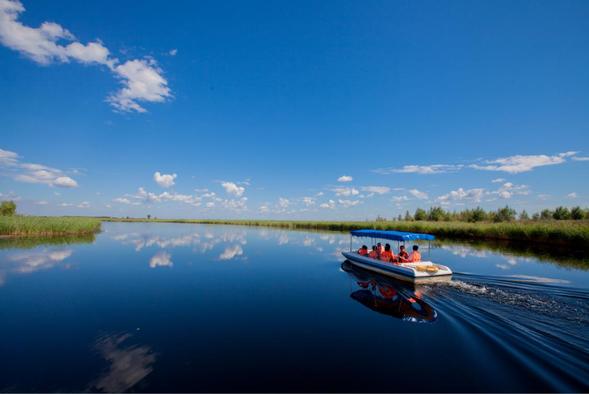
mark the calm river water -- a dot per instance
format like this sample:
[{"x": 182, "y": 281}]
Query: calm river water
[{"x": 176, "y": 307}]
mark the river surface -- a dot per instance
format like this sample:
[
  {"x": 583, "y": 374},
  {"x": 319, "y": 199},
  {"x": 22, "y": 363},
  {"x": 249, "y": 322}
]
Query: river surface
[{"x": 178, "y": 307}]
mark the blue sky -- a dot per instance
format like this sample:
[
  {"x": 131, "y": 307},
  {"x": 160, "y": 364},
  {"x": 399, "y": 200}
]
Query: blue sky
[{"x": 327, "y": 110}]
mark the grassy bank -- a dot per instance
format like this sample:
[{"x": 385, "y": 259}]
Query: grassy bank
[
  {"x": 573, "y": 233},
  {"x": 45, "y": 226}
]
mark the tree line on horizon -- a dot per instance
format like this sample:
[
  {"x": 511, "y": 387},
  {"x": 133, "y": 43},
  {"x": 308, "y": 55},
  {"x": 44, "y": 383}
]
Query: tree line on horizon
[
  {"x": 478, "y": 214},
  {"x": 439, "y": 214}
]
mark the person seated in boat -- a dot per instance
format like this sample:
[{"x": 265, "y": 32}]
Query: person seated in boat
[
  {"x": 387, "y": 254},
  {"x": 415, "y": 256},
  {"x": 403, "y": 255},
  {"x": 363, "y": 251},
  {"x": 373, "y": 253},
  {"x": 379, "y": 248}
]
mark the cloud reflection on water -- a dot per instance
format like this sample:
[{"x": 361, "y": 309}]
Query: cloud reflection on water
[
  {"x": 128, "y": 365},
  {"x": 26, "y": 262},
  {"x": 161, "y": 259}
]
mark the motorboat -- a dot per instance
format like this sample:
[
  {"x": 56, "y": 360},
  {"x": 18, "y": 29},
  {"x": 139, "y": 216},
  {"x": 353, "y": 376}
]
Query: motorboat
[{"x": 415, "y": 272}]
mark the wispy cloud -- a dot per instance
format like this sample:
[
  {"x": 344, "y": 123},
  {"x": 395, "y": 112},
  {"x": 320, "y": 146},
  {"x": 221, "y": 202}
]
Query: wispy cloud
[
  {"x": 142, "y": 79},
  {"x": 460, "y": 194},
  {"x": 510, "y": 164},
  {"x": 12, "y": 166},
  {"x": 421, "y": 169},
  {"x": 345, "y": 178},
  {"x": 418, "y": 194},
  {"x": 376, "y": 189},
  {"x": 476, "y": 195},
  {"x": 348, "y": 203},
  {"x": 346, "y": 191},
  {"x": 330, "y": 204},
  {"x": 522, "y": 163}
]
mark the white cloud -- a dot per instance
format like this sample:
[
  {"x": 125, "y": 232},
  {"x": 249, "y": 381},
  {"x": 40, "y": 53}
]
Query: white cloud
[
  {"x": 572, "y": 195},
  {"x": 232, "y": 188},
  {"x": 346, "y": 191},
  {"x": 474, "y": 195},
  {"x": 419, "y": 169},
  {"x": 345, "y": 178},
  {"x": 505, "y": 191},
  {"x": 376, "y": 189},
  {"x": 84, "y": 204},
  {"x": 7, "y": 157},
  {"x": 236, "y": 204},
  {"x": 50, "y": 42},
  {"x": 328, "y": 205},
  {"x": 522, "y": 163},
  {"x": 32, "y": 172},
  {"x": 418, "y": 194},
  {"x": 508, "y": 190},
  {"x": 164, "y": 180},
  {"x": 309, "y": 201},
  {"x": 142, "y": 81},
  {"x": 144, "y": 197},
  {"x": 64, "y": 181},
  {"x": 161, "y": 259},
  {"x": 580, "y": 158},
  {"x": 283, "y": 203},
  {"x": 348, "y": 203},
  {"x": 498, "y": 180},
  {"x": 173, "y": 52},
  {"x": 399, "y": 199}
]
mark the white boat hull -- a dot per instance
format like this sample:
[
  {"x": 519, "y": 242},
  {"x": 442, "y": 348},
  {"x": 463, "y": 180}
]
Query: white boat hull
[{"x": 410, "y": 272}]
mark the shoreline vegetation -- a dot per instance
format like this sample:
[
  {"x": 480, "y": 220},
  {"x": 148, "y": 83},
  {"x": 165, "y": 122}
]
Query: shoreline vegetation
[
  {"x": 562, "y": 226},
  {"x": 571, "y": 233},
  {"x": 18, "y": 226}
]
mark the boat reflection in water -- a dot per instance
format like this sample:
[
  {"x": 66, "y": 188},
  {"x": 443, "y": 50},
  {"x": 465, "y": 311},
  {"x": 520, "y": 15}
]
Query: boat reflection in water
[{"x": 388, "y": 296}]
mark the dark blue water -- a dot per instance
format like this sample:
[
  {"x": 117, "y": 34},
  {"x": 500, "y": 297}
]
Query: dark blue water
[{"x": 173, "y": 307}]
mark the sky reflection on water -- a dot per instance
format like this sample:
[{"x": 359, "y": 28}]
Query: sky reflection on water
[{"x": 174, "y": 307}]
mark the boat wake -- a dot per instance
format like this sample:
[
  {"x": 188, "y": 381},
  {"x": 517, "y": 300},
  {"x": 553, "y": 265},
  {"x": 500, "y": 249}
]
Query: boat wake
[{"x": 540, "y": 324}]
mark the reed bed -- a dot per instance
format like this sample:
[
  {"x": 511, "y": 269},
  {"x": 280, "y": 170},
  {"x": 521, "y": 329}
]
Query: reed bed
[{"x": 47, "y": 226}]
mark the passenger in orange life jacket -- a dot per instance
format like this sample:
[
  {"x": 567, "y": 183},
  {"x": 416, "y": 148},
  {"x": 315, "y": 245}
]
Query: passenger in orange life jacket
[
  {"x": 379, "y": 248},
  {"x": 387, "y": 254},
  {"x": 363, "y": 251},
  {"x": 403, "y": 255},
  {"x": 415, "y": 256},
  {"x": 373, "y": 253}
]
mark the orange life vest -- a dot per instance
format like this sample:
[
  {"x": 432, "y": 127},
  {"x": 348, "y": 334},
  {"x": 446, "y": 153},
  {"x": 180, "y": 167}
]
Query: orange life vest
[
  {"x": 386, "y": 256},
  {"x": 362, "y": 252},
  {"x": 373, "y": 254},
  {"x": 415, "y": 256}
]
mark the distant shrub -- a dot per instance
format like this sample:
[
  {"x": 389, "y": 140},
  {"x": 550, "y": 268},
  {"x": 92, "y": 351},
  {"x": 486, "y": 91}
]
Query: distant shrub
[
  {"x": 420, "y": 214},
  {"x": 7, "y": 208},
  {"x": 561, "y": 213},
  {"x": 504, "y": 214},
  {"x": 577, "y": 213},
  {"x": 546, "y": 214}
]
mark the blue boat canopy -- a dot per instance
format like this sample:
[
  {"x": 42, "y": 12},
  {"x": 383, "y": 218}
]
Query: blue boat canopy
[{"x": 393, "y": 235}]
